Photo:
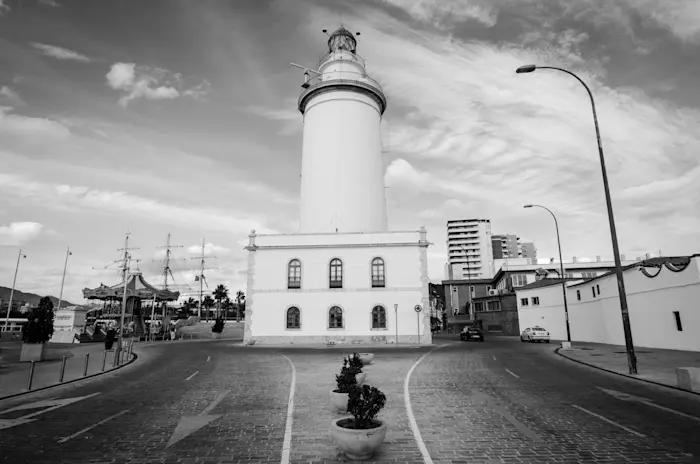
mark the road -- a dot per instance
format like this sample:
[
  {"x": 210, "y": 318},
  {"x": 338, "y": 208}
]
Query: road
[{"x": 215, "y": 402}]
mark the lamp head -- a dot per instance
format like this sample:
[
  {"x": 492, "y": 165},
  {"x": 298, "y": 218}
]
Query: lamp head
[
  {"x": 396, "y": 307},
  {"x": 528, "y": 68},
  {"x": 527, "y": 206}
]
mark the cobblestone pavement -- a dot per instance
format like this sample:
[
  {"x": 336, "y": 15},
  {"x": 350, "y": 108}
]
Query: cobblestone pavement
[
  {"x": 497, "y": 401},
  {"x": 502, "y": 401}
]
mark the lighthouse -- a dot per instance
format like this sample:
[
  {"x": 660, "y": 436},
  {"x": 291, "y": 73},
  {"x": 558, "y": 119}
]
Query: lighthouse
[
  {"x": 342, "y": 174},
  {"x": 343, "y": 277}
]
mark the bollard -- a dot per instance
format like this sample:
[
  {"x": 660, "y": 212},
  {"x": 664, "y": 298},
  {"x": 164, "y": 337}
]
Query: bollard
[
  {"x": 63, "y": 369},
  {"x": 31, "y": 375},
  {"x": 115, "y": 358},
  {"x": 104, "y": 361},
  {"x": 87, "y": 361}
]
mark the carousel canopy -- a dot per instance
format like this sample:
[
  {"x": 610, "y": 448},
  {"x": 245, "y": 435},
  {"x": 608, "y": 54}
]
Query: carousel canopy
[{"x": 136, "y": 287}]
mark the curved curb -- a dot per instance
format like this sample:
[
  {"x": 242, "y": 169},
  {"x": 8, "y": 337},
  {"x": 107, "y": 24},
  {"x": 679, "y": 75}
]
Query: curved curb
[
  {"x": 68, "y": 382},
  {"x": 556, "y": 350}
]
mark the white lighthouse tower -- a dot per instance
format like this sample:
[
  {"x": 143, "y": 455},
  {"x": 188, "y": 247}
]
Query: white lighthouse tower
[
  {"x": 343, "y": 278},
  {"x": 342, "y": 175}
]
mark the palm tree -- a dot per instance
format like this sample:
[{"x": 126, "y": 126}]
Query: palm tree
[
  {"x": 220, "y": 293},
  {"x": 208, "y": 303},
  {"x": 240, "y": 298}
]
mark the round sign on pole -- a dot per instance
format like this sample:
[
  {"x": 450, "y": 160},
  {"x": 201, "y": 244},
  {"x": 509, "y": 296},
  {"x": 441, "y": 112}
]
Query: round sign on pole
[{"x": 418, "y": 308}]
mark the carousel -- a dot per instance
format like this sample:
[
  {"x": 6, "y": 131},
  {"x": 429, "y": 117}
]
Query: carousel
[{"x": 147, "y": 311}]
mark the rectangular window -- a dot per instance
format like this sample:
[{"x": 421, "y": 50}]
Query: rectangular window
[
  {"x": 523, "y": 301},
  {"x": 494, "y": 305},
  {"x": 593, "y": 288},
  {"x": 597, "y": 289},
  {"x": 535, "y": 300},
  {"x": 578, "y": 295},
  {"x": 479, "y": 307},
  {"x": 377, "y": 281},
  {"x": 472, "y": 291},
  {"x": 679, "y": 325},
  {"x": 519, "y": 280}
]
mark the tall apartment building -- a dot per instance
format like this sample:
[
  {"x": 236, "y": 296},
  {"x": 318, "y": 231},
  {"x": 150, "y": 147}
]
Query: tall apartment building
[
  {"x": 528, "y": 250},
  {"x": 505, "y": 246},
  {"x": 469, "y": 249}
]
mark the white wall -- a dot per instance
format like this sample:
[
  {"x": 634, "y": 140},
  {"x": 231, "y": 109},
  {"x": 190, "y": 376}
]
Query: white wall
[
  {"x": 651, "y": 302},
  {"x": 405, "y": 279}
]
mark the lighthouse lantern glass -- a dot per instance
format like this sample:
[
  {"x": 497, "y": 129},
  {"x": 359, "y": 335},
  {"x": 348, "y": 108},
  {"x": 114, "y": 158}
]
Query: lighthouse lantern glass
[{"x": 342, "y": 39}]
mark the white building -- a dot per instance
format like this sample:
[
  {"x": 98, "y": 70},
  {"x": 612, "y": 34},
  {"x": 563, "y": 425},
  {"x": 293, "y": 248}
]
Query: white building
[
  {"x": 343, "y": 278},
  {"x": 469, "y": 249},
  {"x": 662, "y": 296}
]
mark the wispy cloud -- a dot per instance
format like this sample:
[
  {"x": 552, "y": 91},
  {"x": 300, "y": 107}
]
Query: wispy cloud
[
  {"x": 19, "y": 233},
  {"x": 28, "y": 127},
  {"x": 10, "y": 97},
  {"x": 289, "y": 117},
  {"x": 209, "y": 249},
  {"x": 60, "y": 53},
  {"x": 151, "y": 83},
  {"x": 51, "y": 3},
  {"x": 443, "y": 14},
  {"x": 3, "y": 7}
]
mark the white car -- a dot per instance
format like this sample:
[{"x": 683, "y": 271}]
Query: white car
[{"x": 534, "y": 334}]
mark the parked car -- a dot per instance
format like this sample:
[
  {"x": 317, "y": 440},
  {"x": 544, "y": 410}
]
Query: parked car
[
  {"x": 471, "y": 333},
  {"x": 534, "y": 334}
]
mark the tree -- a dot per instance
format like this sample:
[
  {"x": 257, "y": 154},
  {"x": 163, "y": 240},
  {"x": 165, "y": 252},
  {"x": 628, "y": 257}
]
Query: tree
[
  {"x": 240, "y": 298},
  {"x": 39, "y": 325},
  {"x": 220, "y": 293},
  {"x": 208, "y": 303}
]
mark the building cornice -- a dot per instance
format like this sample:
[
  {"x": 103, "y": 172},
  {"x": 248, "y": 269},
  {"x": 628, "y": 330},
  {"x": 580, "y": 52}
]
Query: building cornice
[{"x": 333, "y": 85}]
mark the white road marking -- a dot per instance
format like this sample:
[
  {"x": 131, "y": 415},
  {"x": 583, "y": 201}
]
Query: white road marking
[
  {"x": 208, "y": 358},
  {"x": 512, "y": 373},
  {"x": 494, "y": 357},
  {"x": 287, "y": 444},
  {"x": 633, "y": 432},
  {"x": 409, "y": 411},
  {"x": 86, "y": 429},
  {"x": 190, "y": 424},
  {"x": 50, "y": 405},
  {"x": 188, "y": 378},
  {"x": 640, "y": 399}
]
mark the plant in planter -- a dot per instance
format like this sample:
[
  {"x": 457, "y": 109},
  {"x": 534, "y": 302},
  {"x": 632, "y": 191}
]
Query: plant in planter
[
  {"x": 361, "y": 435},
  {"x": 218, "y": 327},
  {"x": 345, "y": 381},
  {"x": 355, "y": 363},
  {"x": 37, "y": 331},
  {"x": 366, "y": 358}
]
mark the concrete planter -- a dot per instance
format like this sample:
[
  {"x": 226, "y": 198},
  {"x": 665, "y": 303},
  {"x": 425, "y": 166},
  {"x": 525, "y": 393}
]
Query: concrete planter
[
  {"x": 339, "y": 401},
  {"x": 360, "y": 378},
  {"x": 358, "y": 444},
  {"x": 366, "y": 358},
  {"x": 32, "y": 352}
]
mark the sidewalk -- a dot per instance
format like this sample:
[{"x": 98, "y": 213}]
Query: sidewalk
[
  {"x": 14, "y": 375},
  {"x": 654, "y": 365}
]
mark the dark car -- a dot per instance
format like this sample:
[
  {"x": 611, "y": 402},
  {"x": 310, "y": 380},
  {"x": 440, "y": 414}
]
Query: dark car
[{"x": 471, "y": 333}]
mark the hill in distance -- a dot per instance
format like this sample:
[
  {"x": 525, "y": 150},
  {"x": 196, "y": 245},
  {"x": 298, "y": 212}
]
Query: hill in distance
[{"x": 30, "y": 298}]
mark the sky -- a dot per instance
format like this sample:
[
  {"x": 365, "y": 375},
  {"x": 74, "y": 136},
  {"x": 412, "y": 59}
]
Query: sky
[{"x": 179, "y": 117}]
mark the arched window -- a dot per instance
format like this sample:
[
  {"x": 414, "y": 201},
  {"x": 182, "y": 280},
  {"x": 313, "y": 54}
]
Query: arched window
[
  {"x": 293, "y": 318},
  {"x": 378, "y": 272},
  {"x": 378, "y": 317},
  {"x": 336, "y": 273},
  {"x": 335, "y": 318},
  {"x": 294, "y": 274}
]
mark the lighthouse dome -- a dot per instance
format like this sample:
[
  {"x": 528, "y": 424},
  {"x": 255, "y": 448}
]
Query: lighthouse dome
[{"x": 342, "y": 39}]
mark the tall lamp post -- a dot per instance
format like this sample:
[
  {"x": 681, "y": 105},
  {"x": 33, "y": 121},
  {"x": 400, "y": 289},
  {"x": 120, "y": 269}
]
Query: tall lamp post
[
  {"x": 567, "y": 344},
  {"x": 629, "y": 345},
  {"x": 65, "y": 266},
  {"x": 12, "y": 292},
  {"x": 396, "y": 321}
]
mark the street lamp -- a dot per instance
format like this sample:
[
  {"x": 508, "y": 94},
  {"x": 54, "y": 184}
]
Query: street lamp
[
  {"x": 65, "y": 266},
  {"x": 396, "y": 321},
  {"x": 629, "y": 345},
  {"x": 12, "y": 292},
  {"x": 566, "y": 345}
]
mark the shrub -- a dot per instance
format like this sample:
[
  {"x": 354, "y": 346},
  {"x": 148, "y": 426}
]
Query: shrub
[
  {"x": 218, "y": 326},
  {"x": 364, "y": 403},
  {"x": 39, "y": 325},
  {"x": 346, "y": 380},
  {"x": 355, "y": 363}
]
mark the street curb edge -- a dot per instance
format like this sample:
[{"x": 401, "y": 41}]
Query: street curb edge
[{"x": 556, "y": 350}]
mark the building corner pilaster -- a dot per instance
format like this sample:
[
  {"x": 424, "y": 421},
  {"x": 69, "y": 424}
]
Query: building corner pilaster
[
  {"x": 423, "y": 245},
  {"x": 250, "y": 289}
]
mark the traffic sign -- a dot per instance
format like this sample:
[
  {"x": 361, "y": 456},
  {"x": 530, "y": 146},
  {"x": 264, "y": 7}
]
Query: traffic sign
[{"x": 417, "y": 308}]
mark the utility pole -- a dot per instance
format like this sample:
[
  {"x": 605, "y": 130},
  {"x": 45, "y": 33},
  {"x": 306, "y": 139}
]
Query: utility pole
[
  {"x": 200, "y": 277},
  {"x": 65, "y": 266},
  {"x": 12, "y": 292}
]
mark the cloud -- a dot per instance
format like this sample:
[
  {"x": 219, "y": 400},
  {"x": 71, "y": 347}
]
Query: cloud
[
  {"x": 10, "y": 97},
  {"x": 81, "y": 198},
  {"x": 442, "y": 14},
  {"x": 151, "y": 83},
  {"x": 19, "y": 233},
  {"x": 29, "y": 127},
  {"x": 51, "y": 3},
  {"x": 60, "y": 53},
  {"x": 209, "y": 249},
  {"x": 3, "y": 8},
  {"x": 288, "y": 115}
]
